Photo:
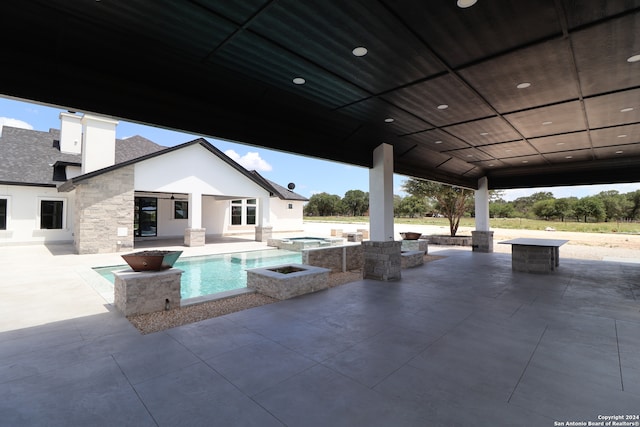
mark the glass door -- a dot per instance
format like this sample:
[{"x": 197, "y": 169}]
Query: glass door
[{"x": 145, "y": 221}]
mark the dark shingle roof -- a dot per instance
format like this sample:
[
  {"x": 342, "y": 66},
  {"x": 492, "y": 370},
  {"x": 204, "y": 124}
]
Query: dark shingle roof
[
  {"x": 278, "y": 190},
  {"x": 28, "y": 156},
  {"x": 134, "y": 147}
]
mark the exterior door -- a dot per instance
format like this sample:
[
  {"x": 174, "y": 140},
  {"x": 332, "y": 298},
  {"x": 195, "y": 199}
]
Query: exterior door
[{"x": 145, "y": 222}]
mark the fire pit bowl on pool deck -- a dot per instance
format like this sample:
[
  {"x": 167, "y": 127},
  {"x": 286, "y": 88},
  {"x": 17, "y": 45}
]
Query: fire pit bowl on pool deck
[
  {"x": 151, "y": 260},
  {"x": 410, "y": 235}
]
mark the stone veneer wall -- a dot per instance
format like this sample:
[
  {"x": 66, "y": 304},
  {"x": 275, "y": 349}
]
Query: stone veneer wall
[
  {"x": 104, "y": 204},
  {"x": 382, "y": 260},
  {"x": 336, "y": 258},
  {"x": 146, "y": 292}
]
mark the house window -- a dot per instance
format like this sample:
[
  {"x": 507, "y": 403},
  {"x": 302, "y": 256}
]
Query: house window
[
  {"x": 3, "y": 214},
  {"x": 51, "y": 212},
  {"x": 236, "y": 212},
  {"x": 244, "y": 212},
  {"x": 290, "y": 206},
  {"x": 251, "y": 211},
  {"x": 180, "y": 210}
]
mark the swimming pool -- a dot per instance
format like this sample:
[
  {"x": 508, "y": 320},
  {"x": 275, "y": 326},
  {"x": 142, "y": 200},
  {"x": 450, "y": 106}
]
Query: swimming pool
[{"x": 210, "y": 274}]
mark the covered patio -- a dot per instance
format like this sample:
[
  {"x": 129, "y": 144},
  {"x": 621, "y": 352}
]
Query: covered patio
[{"x": 461, "y": 340}]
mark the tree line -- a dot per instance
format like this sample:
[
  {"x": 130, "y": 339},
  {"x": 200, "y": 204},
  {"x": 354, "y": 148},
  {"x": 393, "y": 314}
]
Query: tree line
[{"x": 427, "y": 198}]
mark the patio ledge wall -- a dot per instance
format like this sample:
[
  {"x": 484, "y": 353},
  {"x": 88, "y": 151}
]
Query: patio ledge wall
[{"x": 336, "y": 258}]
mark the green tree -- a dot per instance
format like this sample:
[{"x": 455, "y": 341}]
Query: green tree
[
  {"x": 615, "y": 204},
  {"x": 524, "y": 205},
  {"x": 323, "y": 204},
  {"x": 590, "y": 207},
  {"x": 355, "y": 202},
  {"x": 633, "y": 210},
  {"x": 412, "y": 206},
  {"x": 501, "y": 209},
  {"x": 450, "y": 201},
  {"x": 545, "y": 209},
  {"x": 564, "y": 207}
]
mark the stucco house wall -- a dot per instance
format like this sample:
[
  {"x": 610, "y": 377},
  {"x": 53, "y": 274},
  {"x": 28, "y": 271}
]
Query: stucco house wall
[
  {"x": 23, "y": 215},
  {"x": 285, "y": 219}
]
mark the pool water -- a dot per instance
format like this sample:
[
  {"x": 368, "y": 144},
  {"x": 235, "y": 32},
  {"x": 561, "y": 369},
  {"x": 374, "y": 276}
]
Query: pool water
[{"x": 204, "y": 275}]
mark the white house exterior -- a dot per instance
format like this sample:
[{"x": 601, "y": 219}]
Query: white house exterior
[{"x": 82, "y": 185}]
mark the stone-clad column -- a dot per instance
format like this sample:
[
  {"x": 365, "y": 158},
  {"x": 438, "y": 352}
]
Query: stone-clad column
[
  {"x": 381, "y": 254},
  {"x": 482, "y": 237},
  {"x": 194, "y": 234}
]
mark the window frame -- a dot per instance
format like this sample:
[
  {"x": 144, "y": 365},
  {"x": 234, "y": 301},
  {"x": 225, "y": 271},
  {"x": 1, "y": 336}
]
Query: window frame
[
  {"x": 246, "y": 210},
  {"x": 7, "y": 216},
  {"x": 63, "y": 212},
  {"x": 184, "y": 208}
]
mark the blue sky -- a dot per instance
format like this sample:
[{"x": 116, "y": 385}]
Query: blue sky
[{"x": 310, "y": 175}]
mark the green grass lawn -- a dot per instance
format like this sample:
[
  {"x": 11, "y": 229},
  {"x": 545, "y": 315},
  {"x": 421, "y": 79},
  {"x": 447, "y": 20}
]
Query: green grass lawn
[{"x": 512, "y": 223}]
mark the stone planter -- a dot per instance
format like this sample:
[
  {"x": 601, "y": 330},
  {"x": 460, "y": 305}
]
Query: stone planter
[
  {"x": 151, "y": 260},
  {"x": 287, "y": 281}
]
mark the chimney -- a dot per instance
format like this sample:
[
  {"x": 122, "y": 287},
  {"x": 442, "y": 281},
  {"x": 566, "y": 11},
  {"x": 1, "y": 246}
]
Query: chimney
[
  {"x": 98, "y": 142},
  {"x": 70, "y": 133}
]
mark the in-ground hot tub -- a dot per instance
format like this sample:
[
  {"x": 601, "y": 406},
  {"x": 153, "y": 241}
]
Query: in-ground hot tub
[{"x": 300, "y": 243}]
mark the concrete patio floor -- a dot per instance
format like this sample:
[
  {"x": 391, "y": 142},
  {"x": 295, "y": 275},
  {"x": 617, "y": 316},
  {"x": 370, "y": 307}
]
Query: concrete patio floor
[{"x": 459, "y": 341}]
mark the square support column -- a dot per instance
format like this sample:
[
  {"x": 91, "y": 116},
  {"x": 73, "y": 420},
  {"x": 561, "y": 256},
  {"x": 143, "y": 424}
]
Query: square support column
[
  {"x": 194, "y": 236},
  {"x": 381, "y": 194},
  {"x": 382, "y": 260},
  {"x": 263, "y": 233},
  {"x": 482, "y": 238},
  {"x": 482, "y": 241}
]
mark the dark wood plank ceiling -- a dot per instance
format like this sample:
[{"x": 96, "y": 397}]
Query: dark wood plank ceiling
[{"x": 225, "y": 69}]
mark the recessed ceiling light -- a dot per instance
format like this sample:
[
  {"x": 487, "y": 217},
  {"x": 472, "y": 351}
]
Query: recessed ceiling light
[
  {"x": 622, "y": 136},
  {"x": 546, "y": 123},
  {"x": 559, "y": 143},
  {"x": 525, "y": 161},
  {"x": 523, "y": 85},
  {"x": 463, "y": 4},
  {"x": 568, "y": 157},
  {"x": 619, "y": 152},
  {"x": 634, "y": 58},
  {"x": 490, "y": 164},
  {"x": 484, "y": 133},
  {"x": 469, "y": 155},
  {"x": 299, "y": 81},
  {"x": 437, "y": 142},
  {"x": 360, "y": 51},
  {"x": 626, "y": 110},
  {"x": 443, "y": 107},
  {"x": 389, "y": 120}
]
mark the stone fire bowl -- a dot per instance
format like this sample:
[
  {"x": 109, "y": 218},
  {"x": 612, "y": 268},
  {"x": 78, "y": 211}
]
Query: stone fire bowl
[
  {"x": 410, "y": 235},
  {"x": 151, "y": 260}
]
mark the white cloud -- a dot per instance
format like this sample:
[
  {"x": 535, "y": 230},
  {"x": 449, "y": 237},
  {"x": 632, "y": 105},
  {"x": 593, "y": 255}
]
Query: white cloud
[
  {"x": 250, "y": 161},
  {"x": 14, "y": 123}
]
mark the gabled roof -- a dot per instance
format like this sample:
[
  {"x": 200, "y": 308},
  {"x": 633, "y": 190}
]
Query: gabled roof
[
  {"x": 272, "y": 188},
  {"x": 33, "y": 158}
]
